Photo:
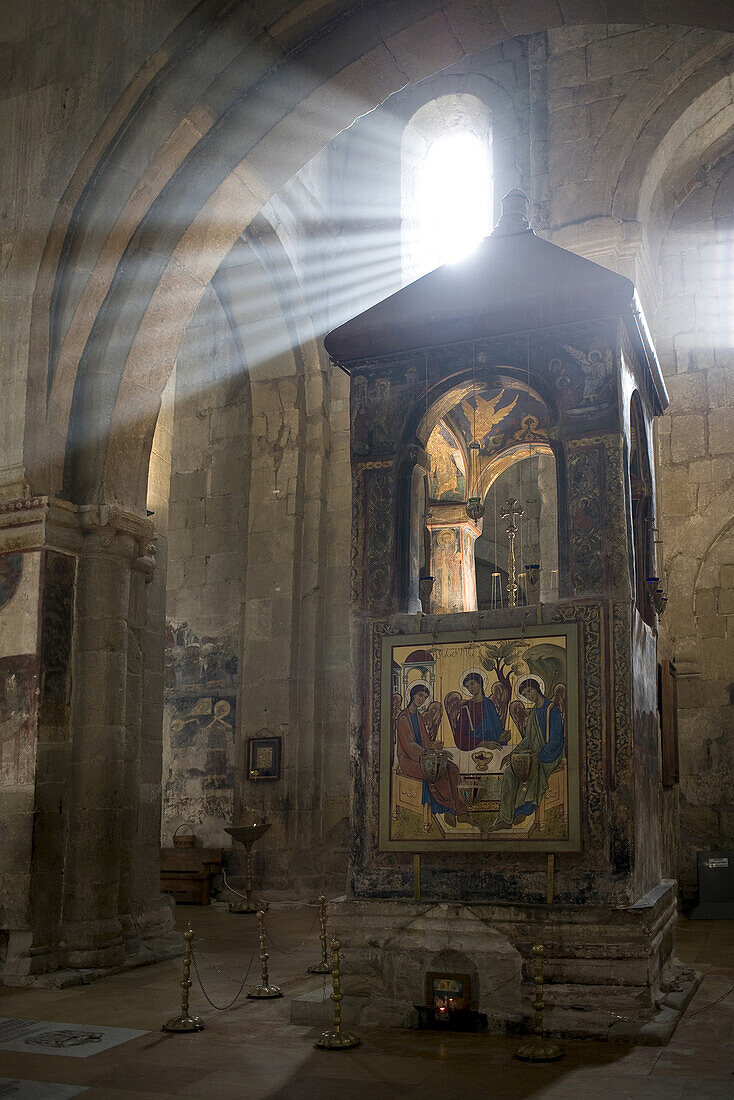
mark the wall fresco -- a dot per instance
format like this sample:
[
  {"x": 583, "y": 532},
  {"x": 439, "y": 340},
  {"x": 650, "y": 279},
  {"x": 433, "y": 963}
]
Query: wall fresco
[
  {"x": 199, "y": 733},
  {"x": 447, "y": 470},
  {"x": 18, "y": 706},
  {"x": 19, "y": 587}
]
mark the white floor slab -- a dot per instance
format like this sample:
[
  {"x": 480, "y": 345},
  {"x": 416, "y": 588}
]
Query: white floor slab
[
  {"x": 11, "y": 1088},
  {"x": 72, "y": 1040}
]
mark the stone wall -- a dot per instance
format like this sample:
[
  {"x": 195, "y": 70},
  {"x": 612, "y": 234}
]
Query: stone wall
[
  {"x": 696, "y": 448},
  {"x": 206, "y": 560},
  {"x": 611, "y": 89}
]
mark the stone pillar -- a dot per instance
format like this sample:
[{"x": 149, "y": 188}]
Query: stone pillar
[
  {"x": 38, "y": 543},
  {"x": 131, "y": 752},
  {"x": 151, "y": 910},
  {"x": 452, "y": 567},
  {"x": 92, "y": 928},
  {"x": 81, "y": 862}
]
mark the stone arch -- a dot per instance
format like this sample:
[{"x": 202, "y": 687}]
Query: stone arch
[
  {"x": 696, "y": 118},
  {"x": 692, "y": 546},
  {"x": 301, "y": 82}
]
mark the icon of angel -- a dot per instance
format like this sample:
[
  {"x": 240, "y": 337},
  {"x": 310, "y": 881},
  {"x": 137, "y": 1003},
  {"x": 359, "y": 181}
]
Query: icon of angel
[{"x": 476, "y": 720}]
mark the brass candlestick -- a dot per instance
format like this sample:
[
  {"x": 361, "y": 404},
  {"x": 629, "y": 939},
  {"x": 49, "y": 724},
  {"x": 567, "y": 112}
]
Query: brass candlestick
[
  {"x": 323, "y": 967},
  {"x": 532, "y": 572},
  {"x": 512, "y": 511},
  {"x": 185, "y": 1022},
  {"x": 265, "y": 989},
  {"x": 539, "y": 1049},
  {"x": 336, "y": 1039},
  {"x": 247, "y": 835},
  {"x": 656, "y": 595}
]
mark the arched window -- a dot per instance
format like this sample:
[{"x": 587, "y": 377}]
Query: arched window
[{"x": 446, "y": 182}]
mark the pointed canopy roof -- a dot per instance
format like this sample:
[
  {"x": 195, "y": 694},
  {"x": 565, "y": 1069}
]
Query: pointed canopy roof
[{"x": 514, "y": 282}]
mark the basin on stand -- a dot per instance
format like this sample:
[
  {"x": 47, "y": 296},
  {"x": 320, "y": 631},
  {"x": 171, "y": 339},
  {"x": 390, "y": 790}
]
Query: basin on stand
[{"x": 247, "y": 835}]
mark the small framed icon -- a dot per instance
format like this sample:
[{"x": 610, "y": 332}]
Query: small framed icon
[
  {"x": 447, "y": 992},
  {"x": 263, "y": 756}
]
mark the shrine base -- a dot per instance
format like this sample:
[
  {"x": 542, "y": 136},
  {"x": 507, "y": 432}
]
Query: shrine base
[{"x": 609, "y": 972}]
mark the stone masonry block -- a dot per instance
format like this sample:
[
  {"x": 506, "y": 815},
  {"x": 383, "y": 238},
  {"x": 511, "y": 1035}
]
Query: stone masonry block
[
  {"x": 567, "y": 69},
  {"x": 718, "y": 390},
  {"x": 570, "y": 124},
  {"x": 186, "y": 486},
  {"x": 625, "y": 53},
  {"x": 687, "y": 391},
  {"x": 600, "y": 113},
  {"x": 725, "y": 604},
  {"x": 226, "y": 475},
  {"x": 677, "y": 492},
  {"x": 223, "y": 510},
  {"x": 721, "y": 431},
  {"x": 676, "y": 314},
  {"x": 721, "y": 470},
  {"x": 687, "y": 437},
  {"x": 561, "y": 39},
  {"x": 700, "y": 471}
]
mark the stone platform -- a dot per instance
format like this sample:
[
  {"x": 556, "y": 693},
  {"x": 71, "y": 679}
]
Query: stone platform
[{"x": 610, "y": 972}]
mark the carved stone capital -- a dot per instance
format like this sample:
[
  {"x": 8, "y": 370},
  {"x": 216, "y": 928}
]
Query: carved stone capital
[
  {"x": 113, "y": 530},
  {"x": 23, "y": 524},
  {"x": 38, "y": 522}
]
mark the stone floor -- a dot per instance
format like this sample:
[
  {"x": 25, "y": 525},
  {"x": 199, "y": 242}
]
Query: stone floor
[{"x": 253, "y": 1050}]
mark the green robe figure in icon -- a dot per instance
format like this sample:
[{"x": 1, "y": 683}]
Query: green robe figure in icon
[{"x": 543, "y": 739}]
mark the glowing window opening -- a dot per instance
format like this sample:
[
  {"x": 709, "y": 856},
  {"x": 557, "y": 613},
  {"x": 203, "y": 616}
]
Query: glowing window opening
[{"x": 446, "y": 183}]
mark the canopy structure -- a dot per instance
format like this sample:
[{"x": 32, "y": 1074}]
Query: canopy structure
[{"x": 514, "y": 282}]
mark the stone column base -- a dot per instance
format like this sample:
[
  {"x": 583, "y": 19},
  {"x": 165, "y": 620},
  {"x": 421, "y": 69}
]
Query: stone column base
[{"x": 610, "y": 972}]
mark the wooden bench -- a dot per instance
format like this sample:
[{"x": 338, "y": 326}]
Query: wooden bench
[{"x": 186, "y": 873}]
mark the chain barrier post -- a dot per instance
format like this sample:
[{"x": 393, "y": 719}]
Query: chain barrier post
[
  {"x": 539, "y": 1049},
  {"x": 265, "y": 989},
  {"x": 336, "y": 1039},
  {"x": 185, "y": 1022},
  {"x": 323, "y": 967}
]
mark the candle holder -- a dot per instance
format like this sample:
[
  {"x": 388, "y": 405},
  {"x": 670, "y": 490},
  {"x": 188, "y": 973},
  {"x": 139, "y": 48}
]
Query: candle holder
[
  {"x": 539, "y": 1049},
  {"x": 512, "y": 511},
  {"x": 247, "y": 835},
  {"x": 336, "y": 1039},
  {"x": 265, "y": 990},
  {"x": 324, "y": 966},
  {"x": 425, "y": 588},
  {"x": 185, "y": 1022},
  {"x": 656, "y": 595}
]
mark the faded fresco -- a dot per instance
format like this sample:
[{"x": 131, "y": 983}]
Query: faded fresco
[
  {"x": 57, "y": 622},
  {"x": 19, "y": 588},
  {"x": 199, "y": 730},
  {"x": 379, "y": 403},
  {"x": 11, "y": 570},
  {"x": 447, "y": 469},
  {"x": 480, "y": 742},
  {"x": 499, "y": 417},
  {"x": 447, "y": 566},
  {"x": 18, "y": 705}
]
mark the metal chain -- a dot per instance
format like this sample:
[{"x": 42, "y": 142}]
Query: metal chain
[
  {"x": 302, "y": 944},
  {"x": 239, "y": 895},
  {"x": 223, "y": 1008},
  {"x": 213, "y": 966}
]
